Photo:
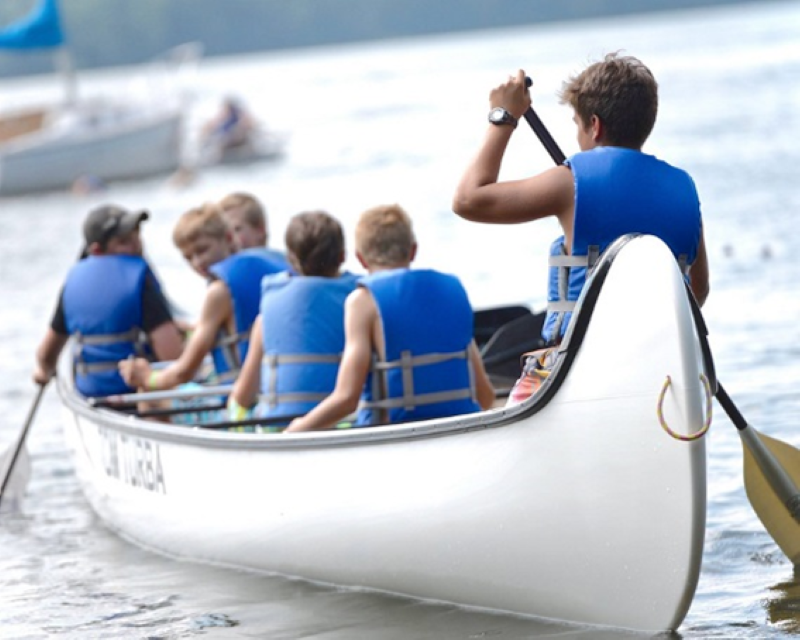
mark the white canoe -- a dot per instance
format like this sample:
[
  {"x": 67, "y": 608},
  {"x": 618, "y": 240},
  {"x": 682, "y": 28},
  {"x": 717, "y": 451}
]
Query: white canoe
[
  {"x": 576, "y": 505},
  {"x": 96, "y": 141}
]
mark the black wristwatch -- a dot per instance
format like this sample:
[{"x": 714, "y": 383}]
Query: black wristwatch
[{"x": 499, "y": 116}]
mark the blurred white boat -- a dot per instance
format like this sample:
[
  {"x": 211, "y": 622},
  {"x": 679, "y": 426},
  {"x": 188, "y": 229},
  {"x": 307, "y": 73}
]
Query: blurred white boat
[
  {"x": 102, "y": 142},
  {"x": 259, "y": 146},
  {"x": 52, "y": 147},
  {"x": 234, "y": 136}
]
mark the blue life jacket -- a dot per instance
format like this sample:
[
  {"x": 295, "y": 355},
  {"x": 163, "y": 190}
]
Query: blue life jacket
[
  {"x": 102, "y": 302},
  {"x": 618, "y": 191},
  {"x": 303, "y": 332},
  {"x": 274, "y": 256},
  {"x": 242, "y": 273},
  {"x": 232, "y": 118},
  {"x": 427, "y": 330}
]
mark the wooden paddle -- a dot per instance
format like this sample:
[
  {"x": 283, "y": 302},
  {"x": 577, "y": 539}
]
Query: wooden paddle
[
  {"x": 771, "y": 467},
  {"x": 13, "y": 454},
  {"x": 771, "y": 480}
]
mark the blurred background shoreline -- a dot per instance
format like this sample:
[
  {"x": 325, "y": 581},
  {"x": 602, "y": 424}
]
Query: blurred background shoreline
[{"x": 106, "y": 33}]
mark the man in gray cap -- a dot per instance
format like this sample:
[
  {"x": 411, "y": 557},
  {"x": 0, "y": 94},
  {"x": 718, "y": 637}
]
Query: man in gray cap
[{"x": 112, "y": 304}]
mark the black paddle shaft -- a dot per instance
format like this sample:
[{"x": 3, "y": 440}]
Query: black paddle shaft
[
  {"x": 731, "y": 409},
  {"x": 542, "y": 133}
]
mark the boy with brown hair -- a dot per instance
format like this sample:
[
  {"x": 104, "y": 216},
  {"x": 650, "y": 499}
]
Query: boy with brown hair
[
  {"x": 131, "y": 317},
  {"x": 298, "y": 337},
  {"x": 229, "y": 308},
  {"x": 409, "y": 352},
  {"x": 609, "y": 189}
]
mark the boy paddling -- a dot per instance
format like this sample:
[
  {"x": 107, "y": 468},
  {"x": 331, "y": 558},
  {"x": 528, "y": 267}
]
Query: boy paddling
[{"x": 609, "y": 189}]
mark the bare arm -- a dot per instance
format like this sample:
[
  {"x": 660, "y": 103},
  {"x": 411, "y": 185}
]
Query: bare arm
[
  {"x": 550, "y": 193},
  {"x": 216, "y": 311},
  {"x": 245, "y": 390},
  {"x": 360, "y": 314},
  {"x": 481, "y": 198},
  {"x": 698, "y": 272},
  {"x": 483, "y": 387},
  {"x": 47, "y": 355}
]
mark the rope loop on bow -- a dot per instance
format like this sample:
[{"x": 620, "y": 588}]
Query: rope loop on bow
[{"x": 663, "y": 422}]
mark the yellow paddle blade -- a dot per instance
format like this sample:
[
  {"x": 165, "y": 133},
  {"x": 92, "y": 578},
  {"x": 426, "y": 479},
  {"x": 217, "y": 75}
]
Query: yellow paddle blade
[{"x": 772, "y": 512}]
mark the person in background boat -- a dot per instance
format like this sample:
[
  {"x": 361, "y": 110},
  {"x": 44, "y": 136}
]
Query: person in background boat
[
  {"x": 606, "y": 190},
  {"x": 247, "y": 219},
  {"x": 402, "y": 326},
  {"x": 132, "y": 316},
  {"x": 298, "y": 337},
  {"x": 231, "y": 127},
  {"x": 87, "y": 184},
  {"x": 229, "y": 308}
]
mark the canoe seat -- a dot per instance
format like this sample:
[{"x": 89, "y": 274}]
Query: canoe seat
[{"x": 501, "y": 353}]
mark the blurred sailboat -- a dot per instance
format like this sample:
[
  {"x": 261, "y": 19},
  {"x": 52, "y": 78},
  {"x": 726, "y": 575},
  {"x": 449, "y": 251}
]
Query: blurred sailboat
[{"x": 52, "y": 147}]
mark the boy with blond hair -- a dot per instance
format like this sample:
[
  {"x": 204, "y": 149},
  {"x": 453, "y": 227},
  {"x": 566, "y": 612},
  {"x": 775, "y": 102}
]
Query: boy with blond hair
[
  {"x": 247, "y": 219},
  {"x": 409, "y": 352},
  {"x": 229, "y": 308}
]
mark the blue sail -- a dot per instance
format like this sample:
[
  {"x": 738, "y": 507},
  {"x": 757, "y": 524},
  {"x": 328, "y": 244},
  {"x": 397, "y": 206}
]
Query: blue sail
[{"x": 40, "y": 29}]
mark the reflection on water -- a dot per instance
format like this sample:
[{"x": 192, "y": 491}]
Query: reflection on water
[{"x": 783, "y": 603}]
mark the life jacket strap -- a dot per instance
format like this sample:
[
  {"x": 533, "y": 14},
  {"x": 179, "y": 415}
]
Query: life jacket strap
[
  {"x": 225, "y": 339},
  {"x": 409, "y": 400},
  {"x": 135, "y": 336},
  {"x": 408, "y": 361},
  {"x": 561, "y": 306},
  {"x": 564, "y": 263},
  {"x": 228, "y": 345},
  {"x": 419, "y": 400},
  {"x": 273, "y": 360},
  {"x": 86, "y": 368}
]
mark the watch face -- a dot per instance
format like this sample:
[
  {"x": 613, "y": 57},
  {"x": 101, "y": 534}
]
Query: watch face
[{"x": 499, "y": 115}]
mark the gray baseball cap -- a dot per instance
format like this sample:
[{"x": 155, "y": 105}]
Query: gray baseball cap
[{"x": 109, "y": 221}]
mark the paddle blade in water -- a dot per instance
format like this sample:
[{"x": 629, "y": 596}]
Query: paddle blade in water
[
  {"x": 772, "y": 511},
  {"x": 17, "y": 483}
]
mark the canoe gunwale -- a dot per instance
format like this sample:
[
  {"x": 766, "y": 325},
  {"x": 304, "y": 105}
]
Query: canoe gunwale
[{"x": 197, "y": 435}]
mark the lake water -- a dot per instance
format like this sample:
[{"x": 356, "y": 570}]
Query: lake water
[{"x": 396, "y": 122}]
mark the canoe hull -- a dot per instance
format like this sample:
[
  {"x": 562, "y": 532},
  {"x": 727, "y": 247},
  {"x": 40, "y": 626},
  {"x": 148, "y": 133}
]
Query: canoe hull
[{"x": 581, "y": 508}]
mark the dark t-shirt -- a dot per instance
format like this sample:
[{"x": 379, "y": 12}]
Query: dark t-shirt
[{"x": 155, "y": 309}]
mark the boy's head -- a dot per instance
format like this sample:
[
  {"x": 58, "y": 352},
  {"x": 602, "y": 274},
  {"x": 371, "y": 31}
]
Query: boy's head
[
  {"x": 112, "y": 230},
  {"x": 246, "y": 217},
  {"x": 203, "y": 237},
  {"x": 315, "y": 244},
  {"x": 385, "y": 238},
  {"x": 621, "y": 92}
]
